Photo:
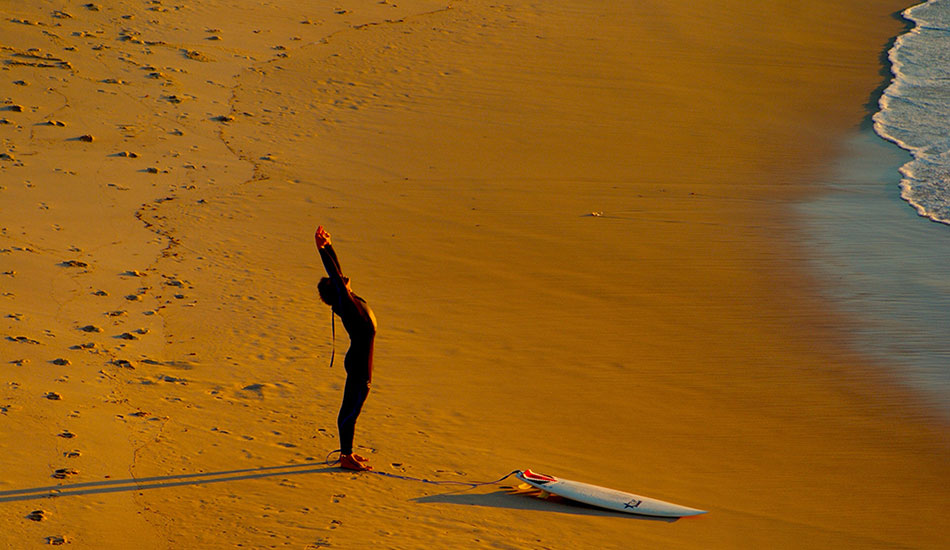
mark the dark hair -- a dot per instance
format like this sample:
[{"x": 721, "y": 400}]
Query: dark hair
[{"x": 326, "y": 291}]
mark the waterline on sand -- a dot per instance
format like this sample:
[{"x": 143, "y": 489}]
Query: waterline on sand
[{"x": 880, "y": 263}]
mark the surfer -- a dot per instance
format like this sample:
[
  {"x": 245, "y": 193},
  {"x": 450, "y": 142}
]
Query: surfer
[{"x": 360, "y": 325}]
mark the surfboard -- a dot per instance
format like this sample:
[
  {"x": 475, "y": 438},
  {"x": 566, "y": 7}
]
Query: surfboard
[{"x": 603, "y": 497}]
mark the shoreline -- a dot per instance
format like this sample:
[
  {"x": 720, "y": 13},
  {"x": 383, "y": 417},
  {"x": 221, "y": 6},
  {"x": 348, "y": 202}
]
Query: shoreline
[
  {"x": 866, "y": 177},
  {"x": 578, "y": 241},
  {"x": 872, "y": 253}
]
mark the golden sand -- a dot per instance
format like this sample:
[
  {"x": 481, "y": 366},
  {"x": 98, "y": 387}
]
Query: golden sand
[{"x": 572, "y": 222}]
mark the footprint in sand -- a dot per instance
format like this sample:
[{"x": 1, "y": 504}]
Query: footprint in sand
[
  {"x": 172, "y": 281},
  {"x": 195, "y": 55},
  {"x": 37, "y": 515},
  {"x": 86, "y": 346},
  {"x": 22, "y": 339},
  {"x": 63, "y": 473},
  {"x": 139, "y": 296}
]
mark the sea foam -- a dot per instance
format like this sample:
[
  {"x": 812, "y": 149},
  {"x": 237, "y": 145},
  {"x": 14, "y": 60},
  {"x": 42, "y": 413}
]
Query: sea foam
[{"x": 915, "y": 108}]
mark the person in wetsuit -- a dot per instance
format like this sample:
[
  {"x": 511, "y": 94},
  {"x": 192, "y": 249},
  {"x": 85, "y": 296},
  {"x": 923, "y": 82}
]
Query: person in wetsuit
[{"x": 360, "y": 325}]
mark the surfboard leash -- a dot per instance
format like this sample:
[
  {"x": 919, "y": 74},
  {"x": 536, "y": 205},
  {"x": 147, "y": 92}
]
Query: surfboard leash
[
  {"x": 333, "y": 333},
  {"x": 471, "y": 484}
]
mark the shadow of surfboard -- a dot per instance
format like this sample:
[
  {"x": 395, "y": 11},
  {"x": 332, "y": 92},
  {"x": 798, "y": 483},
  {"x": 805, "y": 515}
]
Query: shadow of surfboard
[{"x": 530, "y": 500}]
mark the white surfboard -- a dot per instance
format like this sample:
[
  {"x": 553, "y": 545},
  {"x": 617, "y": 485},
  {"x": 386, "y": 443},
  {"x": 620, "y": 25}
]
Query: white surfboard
[{"x": 606, "y": 498}]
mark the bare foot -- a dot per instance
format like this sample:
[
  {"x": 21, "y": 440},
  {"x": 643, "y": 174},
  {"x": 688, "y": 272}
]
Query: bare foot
[
  {"x": 353, "y": 462},
  {"x": 359, "y": 458}
]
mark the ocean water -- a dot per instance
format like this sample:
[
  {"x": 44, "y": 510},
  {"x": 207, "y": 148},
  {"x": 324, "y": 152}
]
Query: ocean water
[
  {"x": 879, "y": 261},
  {"x": 915, "y": 108},
  {"x": 884, "y": 266}
]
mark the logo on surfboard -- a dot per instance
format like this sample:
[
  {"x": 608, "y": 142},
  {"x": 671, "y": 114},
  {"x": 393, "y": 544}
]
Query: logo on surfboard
[{"x": 632, "y": 503}]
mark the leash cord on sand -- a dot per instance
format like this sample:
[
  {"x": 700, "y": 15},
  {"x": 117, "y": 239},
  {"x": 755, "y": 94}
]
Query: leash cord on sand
[{"x": 472, "y": 484}]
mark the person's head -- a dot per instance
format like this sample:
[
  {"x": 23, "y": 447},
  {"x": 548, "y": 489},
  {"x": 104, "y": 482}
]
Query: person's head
[{"x": 327, "y": 292}]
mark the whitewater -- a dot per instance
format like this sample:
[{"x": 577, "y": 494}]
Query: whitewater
[{"x": 915, "y": 108}]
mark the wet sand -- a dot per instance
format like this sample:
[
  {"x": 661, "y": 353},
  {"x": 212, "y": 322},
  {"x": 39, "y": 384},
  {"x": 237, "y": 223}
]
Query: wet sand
[
  {"x": 878, "y": 261},
  {"x": 575, "y": 227}
]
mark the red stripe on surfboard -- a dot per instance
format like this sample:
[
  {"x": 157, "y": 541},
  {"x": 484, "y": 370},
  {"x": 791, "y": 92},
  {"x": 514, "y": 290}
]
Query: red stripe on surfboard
[{"x": 528, "y": 474}]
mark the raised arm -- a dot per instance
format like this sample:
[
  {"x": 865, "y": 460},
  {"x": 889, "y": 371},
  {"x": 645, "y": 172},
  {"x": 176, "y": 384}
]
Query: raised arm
[{"x": 328, "y": 255}]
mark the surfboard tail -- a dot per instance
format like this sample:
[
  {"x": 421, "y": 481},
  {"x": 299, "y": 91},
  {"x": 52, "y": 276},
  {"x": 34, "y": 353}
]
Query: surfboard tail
[{"x": 541, "y": 479}]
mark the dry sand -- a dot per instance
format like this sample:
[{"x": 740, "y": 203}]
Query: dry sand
[{"x": 670, "y": 345}]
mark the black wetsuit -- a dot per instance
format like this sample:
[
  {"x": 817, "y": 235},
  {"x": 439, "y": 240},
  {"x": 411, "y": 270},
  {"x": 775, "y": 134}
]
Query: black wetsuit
[{"x": 360, "y": 325}]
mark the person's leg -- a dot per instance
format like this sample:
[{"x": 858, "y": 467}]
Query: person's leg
[{"x": 354, "y": 395}]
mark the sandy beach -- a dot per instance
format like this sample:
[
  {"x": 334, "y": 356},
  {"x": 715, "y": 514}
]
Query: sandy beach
[{"x": 577, "y": 227}]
